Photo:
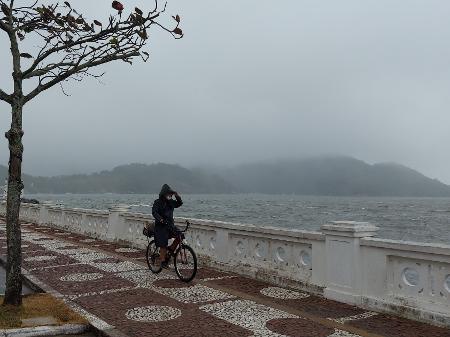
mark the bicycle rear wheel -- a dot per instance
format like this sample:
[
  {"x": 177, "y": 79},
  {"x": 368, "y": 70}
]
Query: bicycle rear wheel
[
  {"x": 153, "y": 257},
  {"x": 185, "y": 263}
]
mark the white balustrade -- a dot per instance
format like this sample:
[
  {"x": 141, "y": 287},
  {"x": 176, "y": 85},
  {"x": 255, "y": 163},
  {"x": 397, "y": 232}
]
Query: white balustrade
[
  {"x": 344, "y": 261},
  {"x": 407, "y": 276},
  {"x": 29, "y": 212},
  {"x": 134, "y": 225},
  {"x": 95, "y": 223}
]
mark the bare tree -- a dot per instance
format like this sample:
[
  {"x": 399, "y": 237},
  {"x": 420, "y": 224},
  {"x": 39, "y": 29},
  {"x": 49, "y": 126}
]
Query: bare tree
[{"x": 70, "y": 46}]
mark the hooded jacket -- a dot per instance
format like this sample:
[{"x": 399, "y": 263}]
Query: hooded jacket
[{"x": 162, "y": 209}]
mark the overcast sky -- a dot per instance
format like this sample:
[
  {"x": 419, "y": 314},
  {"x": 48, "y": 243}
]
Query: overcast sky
[{"x": 257, "y": 80}]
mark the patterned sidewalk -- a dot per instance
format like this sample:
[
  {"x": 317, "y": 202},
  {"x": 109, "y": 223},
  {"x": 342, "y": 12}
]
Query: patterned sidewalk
[{"x": 113, "y": 283}]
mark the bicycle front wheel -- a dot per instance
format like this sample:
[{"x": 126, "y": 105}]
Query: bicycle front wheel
[
  {"x": 185, "y": 263},
  {"x": 153, "y": 258}
]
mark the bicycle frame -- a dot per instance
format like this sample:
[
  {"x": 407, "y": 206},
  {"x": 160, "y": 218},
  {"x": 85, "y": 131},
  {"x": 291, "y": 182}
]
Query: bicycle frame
[
  {"x": 178, "y": 239},
  {"x": 178, "y": 243}
]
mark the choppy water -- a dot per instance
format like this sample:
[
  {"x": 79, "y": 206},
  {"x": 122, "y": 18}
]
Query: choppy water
[{"x": 411, "y": 219}]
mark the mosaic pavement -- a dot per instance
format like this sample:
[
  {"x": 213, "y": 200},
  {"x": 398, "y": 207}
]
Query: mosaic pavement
[{"x": 112, "y": 282}]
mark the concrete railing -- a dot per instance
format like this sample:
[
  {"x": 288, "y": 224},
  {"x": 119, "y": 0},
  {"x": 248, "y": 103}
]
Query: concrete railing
[{"x": 343, "y": 261}]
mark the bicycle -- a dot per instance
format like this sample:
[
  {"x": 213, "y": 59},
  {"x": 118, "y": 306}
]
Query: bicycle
[{"x": 184, "y": 258}]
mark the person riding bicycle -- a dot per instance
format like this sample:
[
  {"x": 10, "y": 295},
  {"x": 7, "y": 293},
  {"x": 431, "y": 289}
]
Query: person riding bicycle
[{"x": 165, "y": 228}]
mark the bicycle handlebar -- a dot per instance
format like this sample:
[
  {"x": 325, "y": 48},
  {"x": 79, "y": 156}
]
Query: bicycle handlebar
[{"x": 187, "y": 226}]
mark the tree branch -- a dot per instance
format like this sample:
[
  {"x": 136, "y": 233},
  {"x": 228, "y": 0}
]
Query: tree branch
[
  {"x": 5, "y": 97},
  {"x": 89, "y": 38},
  {"x": 72, "y": 45},
  {"x": 49, "y": 68},
  {"x": 78, "y": 69},
  {"x": 4, "y": 27}
]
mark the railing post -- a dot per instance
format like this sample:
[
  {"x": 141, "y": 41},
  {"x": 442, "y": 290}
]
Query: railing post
[
  {"x": 84, "y": 225},
  {"x": 343, "y": 259},
  {"x": 222, "y": 246},
  {"x": 43, "y": 213},
  {"x": 116, "y": 223}
]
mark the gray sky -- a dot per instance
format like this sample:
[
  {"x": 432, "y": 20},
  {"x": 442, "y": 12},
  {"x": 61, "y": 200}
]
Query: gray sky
[{"x": 256, "y": 80}]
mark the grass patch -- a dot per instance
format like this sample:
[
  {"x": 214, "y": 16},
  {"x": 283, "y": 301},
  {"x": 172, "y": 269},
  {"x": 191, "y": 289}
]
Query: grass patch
[{"x": 38, "y": 305}]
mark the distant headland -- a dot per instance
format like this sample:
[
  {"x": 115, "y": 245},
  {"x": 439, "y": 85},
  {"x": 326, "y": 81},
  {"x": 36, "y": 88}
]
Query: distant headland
[{"x": 333, "y": 176}]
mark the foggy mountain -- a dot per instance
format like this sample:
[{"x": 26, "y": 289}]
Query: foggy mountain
[{"x": 334, "y": 176}]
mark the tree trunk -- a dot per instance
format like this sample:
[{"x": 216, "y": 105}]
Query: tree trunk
[{"x": 13, "y": 293}]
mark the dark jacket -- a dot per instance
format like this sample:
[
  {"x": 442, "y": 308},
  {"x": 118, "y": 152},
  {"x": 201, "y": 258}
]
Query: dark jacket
[{"x": 163, "y": 209}]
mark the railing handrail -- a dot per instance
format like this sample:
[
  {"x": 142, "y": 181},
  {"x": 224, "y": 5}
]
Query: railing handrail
[{"x": 411, "y": 246}]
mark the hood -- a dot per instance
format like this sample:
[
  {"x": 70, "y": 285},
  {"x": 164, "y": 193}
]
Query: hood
[{"x": 165, "y": 189}]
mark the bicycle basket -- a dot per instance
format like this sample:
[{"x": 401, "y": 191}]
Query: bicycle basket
[
  {"x": 149, "y": 229},
  {"x": 148, "y": 232}
]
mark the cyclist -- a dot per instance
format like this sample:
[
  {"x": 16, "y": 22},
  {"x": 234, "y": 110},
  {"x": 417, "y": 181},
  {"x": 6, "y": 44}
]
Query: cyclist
[{"x": 164, "y": 224}]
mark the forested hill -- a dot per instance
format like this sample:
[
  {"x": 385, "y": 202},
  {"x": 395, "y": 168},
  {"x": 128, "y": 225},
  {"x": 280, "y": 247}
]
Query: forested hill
[
  {"x": 340, "y": 176},
  {"x": 134, "y": 178}
]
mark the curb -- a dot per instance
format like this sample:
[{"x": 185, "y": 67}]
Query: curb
[{"x": 68, "y": 329}]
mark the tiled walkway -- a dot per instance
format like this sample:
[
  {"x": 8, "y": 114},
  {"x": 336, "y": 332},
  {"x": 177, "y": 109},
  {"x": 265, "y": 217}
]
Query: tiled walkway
[{"x": 112, "y": 282}]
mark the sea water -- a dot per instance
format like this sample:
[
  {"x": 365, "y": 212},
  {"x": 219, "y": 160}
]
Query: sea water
[{"x": 409, "y": 219}]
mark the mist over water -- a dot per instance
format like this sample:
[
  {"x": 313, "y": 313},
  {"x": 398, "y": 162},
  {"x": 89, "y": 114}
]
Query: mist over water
[{"x": 409, "y": 219}]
